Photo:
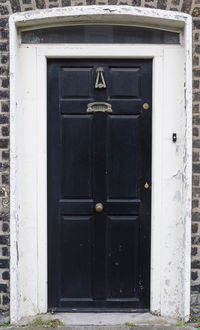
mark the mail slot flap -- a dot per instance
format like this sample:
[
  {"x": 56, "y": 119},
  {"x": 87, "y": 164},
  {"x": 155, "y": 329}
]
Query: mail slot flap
[{"x": 99, "y": 107}]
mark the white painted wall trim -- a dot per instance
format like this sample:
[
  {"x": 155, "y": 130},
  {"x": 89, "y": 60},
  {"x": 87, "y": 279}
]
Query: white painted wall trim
[
  {"x": 90, "y": 14},
  {"x": 171, "y": 163}
]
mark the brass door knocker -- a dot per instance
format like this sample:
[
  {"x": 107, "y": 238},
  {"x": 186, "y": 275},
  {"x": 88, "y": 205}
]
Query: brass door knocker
[{"x": 100, "y": 82}]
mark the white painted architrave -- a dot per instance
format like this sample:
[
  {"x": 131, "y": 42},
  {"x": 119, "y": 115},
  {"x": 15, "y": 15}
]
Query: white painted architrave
[{"x": 171, "y": 163}]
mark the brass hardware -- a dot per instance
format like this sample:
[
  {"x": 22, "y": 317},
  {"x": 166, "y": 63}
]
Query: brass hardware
[
  {"x": 99, "y": 107},
  {"x": 99, "y": 207},
  {"x": 146, "y": 186},
  {"x": 145, "y": 106},
  {"x": 100, "y": 82}
]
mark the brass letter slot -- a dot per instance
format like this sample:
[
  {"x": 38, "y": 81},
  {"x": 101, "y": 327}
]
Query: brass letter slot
[{"x": 99, "y": 107}]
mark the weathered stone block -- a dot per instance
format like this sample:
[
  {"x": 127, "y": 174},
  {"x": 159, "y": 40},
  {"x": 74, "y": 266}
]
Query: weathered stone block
[
  {"x": 194, "y": 275},
  {"x": 194, "y": 251},
  {"x": 4, "y": 263},
  {"x": 194, "y": 227},
  {"x": 6, "y": 276}
]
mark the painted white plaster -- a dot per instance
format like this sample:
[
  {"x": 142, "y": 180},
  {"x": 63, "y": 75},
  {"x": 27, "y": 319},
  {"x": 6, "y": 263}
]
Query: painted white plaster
[
  {"x": 90, "y": 14},
  {"x": 171, "y": 163}
]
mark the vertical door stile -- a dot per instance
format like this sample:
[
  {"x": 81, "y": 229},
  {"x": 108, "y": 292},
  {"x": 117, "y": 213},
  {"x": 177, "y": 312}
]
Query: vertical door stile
[{"x": 99, "y": 197}]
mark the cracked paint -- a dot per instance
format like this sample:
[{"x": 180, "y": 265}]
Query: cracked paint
[{"x": 172, "y": 279}]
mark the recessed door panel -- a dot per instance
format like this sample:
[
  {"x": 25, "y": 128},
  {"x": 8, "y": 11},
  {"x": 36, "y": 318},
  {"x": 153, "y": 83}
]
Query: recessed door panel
[
  {"x": 76, "y": 249},
  {"x": 99, "y": 184},
  {"x": 75, "y": 82},
  {"x": 125, "y": 82},
  {"x": 76, "y": 156},
  {"x": 123, "y": 255},
  {"x": 123, "y": 156}
]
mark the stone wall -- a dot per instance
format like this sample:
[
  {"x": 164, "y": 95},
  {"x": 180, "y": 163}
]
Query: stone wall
[{"x": 8, "y": 7}]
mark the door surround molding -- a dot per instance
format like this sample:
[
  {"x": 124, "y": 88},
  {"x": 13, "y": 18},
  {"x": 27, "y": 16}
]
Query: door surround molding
[{"x": 171, "y": 163}]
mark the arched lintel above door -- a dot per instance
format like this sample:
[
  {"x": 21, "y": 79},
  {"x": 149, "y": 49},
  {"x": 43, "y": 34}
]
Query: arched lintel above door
[{"x": 120, "y": 15}]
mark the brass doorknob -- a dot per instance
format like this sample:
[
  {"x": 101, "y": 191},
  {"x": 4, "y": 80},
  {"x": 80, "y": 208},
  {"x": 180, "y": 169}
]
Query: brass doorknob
[{"x": 99, "y": 207}]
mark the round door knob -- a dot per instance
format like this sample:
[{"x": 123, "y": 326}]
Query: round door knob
[{"x": 99, "y": 207}]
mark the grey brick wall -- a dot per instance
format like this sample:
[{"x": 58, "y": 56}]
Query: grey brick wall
[
  {"x": 5, "y": 10},
  {"x": 8, "y": 7}
]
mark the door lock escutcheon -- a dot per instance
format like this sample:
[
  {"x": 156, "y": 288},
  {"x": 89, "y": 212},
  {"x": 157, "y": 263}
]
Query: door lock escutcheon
[{"x": 145, "y": 106}]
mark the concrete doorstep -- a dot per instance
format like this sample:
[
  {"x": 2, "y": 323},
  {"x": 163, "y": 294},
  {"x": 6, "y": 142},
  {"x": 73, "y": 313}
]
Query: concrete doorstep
[
  {"x": 104, "y": 327},
  {"x": 101, "y": 321}
]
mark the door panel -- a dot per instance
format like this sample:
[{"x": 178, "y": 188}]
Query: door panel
[
  {"x": 76, "y": 256},
  {"x": 99, "y": 261},
  {"x": 119, "y": 86},
  {"x": 82, "y": 87},
  {"x": 123, "y": 156},
  {"x": 123, "y": 256},
  {"x": 76, "y": 156}
]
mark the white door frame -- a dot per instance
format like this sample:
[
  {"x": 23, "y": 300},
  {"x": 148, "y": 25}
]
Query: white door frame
[{"x": 171, "y": 162}]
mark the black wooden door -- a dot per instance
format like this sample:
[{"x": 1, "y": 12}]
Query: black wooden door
[{"x": 99, "y": 260}]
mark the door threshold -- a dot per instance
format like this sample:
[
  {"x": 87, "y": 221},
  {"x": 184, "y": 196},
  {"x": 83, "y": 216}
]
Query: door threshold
[
  {"x": 97, "y": 310},
  {"x": 107, "y": 321}
]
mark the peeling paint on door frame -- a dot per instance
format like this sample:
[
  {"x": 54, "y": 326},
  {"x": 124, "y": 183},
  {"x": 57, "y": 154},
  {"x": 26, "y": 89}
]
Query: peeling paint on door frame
[{"x": 170, "y": 261}]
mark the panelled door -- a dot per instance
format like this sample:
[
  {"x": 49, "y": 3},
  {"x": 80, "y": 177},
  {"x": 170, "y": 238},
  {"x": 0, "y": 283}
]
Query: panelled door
[{"x": 99, "y": 184}]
